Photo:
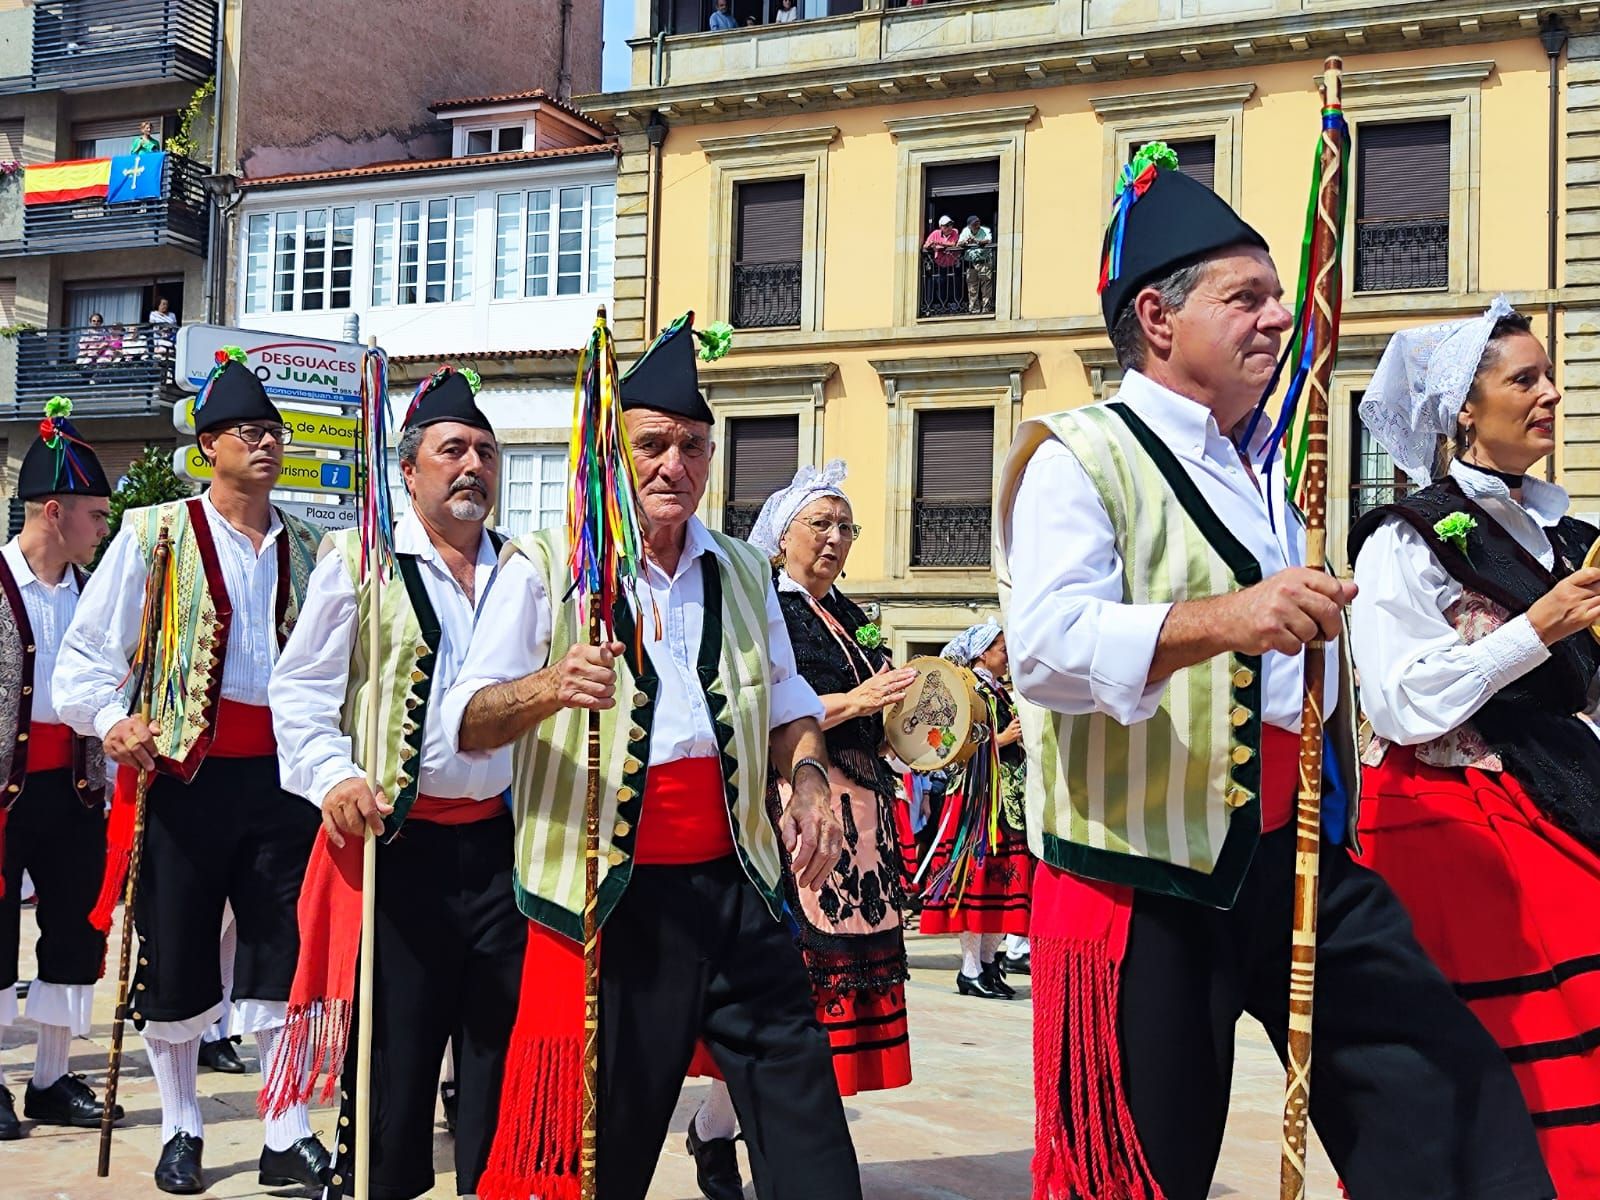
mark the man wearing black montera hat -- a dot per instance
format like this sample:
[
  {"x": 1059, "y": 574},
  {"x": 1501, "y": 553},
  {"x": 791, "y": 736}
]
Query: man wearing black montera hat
[
  {"x": 52, "y": 782},
  {"x": 219, "y": 829},
  {"x": 1157, "y": 603}
]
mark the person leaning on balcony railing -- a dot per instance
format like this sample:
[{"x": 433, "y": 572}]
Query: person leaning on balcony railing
[
  {"x": 788, "y": 11},
  {"x": 163, "y": 329},
  {"x": 93, "y": 342},
  {"x": 977, "y": 244},
  {"x": 147, "y": 142},
  {"x": 721, "y": 18}
]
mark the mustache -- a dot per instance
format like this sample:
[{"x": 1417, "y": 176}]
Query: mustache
[{"x": 469, "y": 483}]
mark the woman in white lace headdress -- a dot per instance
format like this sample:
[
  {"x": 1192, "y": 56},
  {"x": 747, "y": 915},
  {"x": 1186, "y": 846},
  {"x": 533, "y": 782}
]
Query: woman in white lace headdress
[
  {"x": 850, "y": 930},
  {"x": 1481, "y": 791}
]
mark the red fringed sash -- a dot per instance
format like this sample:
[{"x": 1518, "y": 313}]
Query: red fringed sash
[
  {"x": 322, "y": 998},
  {"x": 684, "y": 820}
]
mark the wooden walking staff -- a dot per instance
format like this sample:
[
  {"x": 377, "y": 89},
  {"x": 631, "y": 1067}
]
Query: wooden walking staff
[
  {"x": 151, "y": 649},
  {"x": 1321, "y": 291}
]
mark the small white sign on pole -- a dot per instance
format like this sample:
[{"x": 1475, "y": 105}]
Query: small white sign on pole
[
  {"x": 327, "y": 517},
  {"x": 289, "y": 367}
]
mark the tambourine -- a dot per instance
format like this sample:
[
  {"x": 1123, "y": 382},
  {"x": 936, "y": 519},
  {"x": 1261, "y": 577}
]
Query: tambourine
[
  {"x": 941, "y": 721},
  {"x": 1592, "y": 559}
]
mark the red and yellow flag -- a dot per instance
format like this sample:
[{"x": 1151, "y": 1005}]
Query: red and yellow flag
[{"x": 76, "y": 179}]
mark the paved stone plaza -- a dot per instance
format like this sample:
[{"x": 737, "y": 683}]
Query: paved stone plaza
[{"x": 962, "y": 1131}]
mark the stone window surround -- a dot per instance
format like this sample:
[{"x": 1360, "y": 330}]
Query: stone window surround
[
  {"x": 1181, "y": 114},
  {"x": 796, "y": 389},
  {"x": 915, "y": 385},
  {"x": 1420, "y": 93},
  {"x": 753, "y": 158},
  {"x": 959, "y": 137}
]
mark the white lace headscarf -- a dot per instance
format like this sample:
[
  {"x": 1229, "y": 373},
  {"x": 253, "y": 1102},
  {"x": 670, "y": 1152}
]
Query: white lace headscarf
[
  {"x": 966, "y": 646},
  {"x": 781, "y": 507},
  {"x": 1421, "y": 384}
]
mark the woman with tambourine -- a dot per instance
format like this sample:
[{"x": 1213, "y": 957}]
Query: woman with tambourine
[{"x": 1478, "y": 673}]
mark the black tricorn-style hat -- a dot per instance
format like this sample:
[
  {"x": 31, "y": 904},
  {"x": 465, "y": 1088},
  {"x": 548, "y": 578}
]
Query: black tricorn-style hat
[
  {"x": 232, "y": 395},
  {"x": 60, "y": 462},
  {"x": 449, "y": 394},
  {"x": 666, "y": 377},
  {"x": 1161, "y": 220}
]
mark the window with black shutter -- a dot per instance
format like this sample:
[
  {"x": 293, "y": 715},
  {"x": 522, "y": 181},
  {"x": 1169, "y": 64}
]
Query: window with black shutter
[
  {"x": 769, "y": 232},
  {"x": 1402, "y": 205},
  {"x": 954, "y": 488},
  {"x": 955, "y": 278},
  {"x": 763, "y": 454},
  {"x": 1197, "y": 158}
]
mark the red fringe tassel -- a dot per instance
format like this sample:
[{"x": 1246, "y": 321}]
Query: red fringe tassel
[
  {"x": 119, "y": 849},
  {"x": 315, "y": 1035}
]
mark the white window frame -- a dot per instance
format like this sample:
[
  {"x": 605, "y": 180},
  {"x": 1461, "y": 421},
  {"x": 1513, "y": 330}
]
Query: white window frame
[
  {"x": 549, "y": 464},
  {"x": 459, "y": 250},
  {"x": 515, "y": 246},
  {"x": 261, "y": 292},
  {"x": 463, "y": 136}
]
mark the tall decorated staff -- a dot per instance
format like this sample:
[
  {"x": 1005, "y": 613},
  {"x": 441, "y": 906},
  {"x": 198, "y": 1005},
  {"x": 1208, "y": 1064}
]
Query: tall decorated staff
[{"x": 1303, "y": 427}]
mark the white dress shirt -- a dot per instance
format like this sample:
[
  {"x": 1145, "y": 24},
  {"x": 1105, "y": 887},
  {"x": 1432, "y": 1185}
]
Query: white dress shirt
[
  {"x": 105, "y": 630},
  {"x": 308, "y": 687},
  {"x": 512, "y": 644},
  {"x": 49, "y": 607},
  {"x": 1419, "y": 680},
  {"x": 1074, "y": 646}
]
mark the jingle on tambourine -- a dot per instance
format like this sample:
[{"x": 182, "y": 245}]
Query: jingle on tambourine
[{"x": 1592, "y": 559}]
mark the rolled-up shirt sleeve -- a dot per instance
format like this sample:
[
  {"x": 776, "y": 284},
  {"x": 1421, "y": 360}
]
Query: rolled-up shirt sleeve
[
  {"x": 791, "y": 696},
  {"x": 99, "y": 642},
  {"x": 1419, "y": 678},
  {"x": 307, "y": 690},
  {"x": 510, "y": 640},
  {"x": 1075, "y": 644}
]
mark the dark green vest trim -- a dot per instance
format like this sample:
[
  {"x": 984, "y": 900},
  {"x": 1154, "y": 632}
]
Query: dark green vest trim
[{"x": 428, "y": 622}]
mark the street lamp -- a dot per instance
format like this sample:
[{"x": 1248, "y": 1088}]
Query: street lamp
[{"x": 223, "y": 192}]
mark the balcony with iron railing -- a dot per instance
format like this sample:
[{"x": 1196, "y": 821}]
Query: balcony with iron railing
[
  {"x": 765, "y": 295},
  {"x": 106, "y": 370},
  {"x": 956, "y": 282},
  {"x": 1399, "y": 255},
  {"x": 175, "y": 218},
  {"x": 950, "y": 533},
  {"x": 84, "y": 44}
]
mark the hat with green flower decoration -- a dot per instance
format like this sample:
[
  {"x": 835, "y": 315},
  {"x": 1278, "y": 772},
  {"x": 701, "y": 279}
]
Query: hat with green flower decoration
[
  {"x": 233, "y": 395},
  {"x": 666, "y": 377},
  {"x": 60, "y": 462},
  {"x": 449, "y": 394}
]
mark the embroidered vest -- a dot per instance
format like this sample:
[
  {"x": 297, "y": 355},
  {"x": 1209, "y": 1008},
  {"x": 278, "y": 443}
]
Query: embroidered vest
[
  {"x": 403, "y": 684},
  {"x": 1171, "y": 804},
  {"x": 550, "y": 763},
  {"x": 204, "y": 618},
  {"x": 16, "y": 705}
]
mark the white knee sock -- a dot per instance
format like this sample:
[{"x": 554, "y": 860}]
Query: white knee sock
[
  {"x": 285, "y": 1131},
  {"x": 447, "y": 1072},
  {"x": 1016, "y": 945},
  {"x": 988, "y": 946},
  {"x": 970, "y": 966},
  {"x": 50, "y": 1059},
  {"x": 175, "y": 1065},
  {"x": 716, "y": 1118}
]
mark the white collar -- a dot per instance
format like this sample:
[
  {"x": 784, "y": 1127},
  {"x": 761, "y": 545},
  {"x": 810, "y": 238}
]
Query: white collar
[
  {"x": 22, "y": 571},
  {"x": 411, "y": 537},
  {"x": 1180, "y": 422},
  {"x": 697, "y": 540},
  {"x": 1545, "y": 502},
  {"x": 274, "y": 522}
]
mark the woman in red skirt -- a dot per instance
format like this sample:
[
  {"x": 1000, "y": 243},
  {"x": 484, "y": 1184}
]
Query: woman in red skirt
[
  {"x": 1481, "y": 802},
  {"x": 978, "y": 879}
]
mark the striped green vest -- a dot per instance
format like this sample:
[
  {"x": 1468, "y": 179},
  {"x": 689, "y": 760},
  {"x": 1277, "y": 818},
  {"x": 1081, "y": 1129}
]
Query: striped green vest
[
  {"x": 550, "y": 763},
  {"x": 1171, "y": 804},
  {"x": 205, "y": 618}
]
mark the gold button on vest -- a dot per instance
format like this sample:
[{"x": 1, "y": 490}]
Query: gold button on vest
[
  {"x": 1239, "y": 716},
  {"x": 1243, "y": 677},
  {"x": 1242, "y": 754}
]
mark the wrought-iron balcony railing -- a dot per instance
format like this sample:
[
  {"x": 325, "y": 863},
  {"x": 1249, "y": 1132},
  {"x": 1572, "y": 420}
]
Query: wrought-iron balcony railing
[
  {"x": 766, "y": 295},
  {"x": 176, "y": 218},
  {"x": 106, "y": 370},
  {"x": 1393, "y": 255},
  {"x": 739, "y": 518},
  {"x": 956, "y": 281},
  {"x": 950, "y": 533},
  {"x": 113, "y": 43}
]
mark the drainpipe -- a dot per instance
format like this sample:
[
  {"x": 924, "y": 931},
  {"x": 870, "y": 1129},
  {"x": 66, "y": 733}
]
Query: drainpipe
[
  {"x": 564, "y": 74},
  {"x": 658, "y": 53},
  {"x": 216, "y": 225},
  {"x": 656, "y": 133},
  {"x": 1553, "y": 37}
]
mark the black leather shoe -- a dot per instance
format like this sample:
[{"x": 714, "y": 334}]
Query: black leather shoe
[
  {"x": 979, "y": 987},
  {"x": 10, "y": 1127},
  {"x": 1020, "y": 964},
  {"x": 221, "y": 1056},
  {"x": 304, "y": 1164},
  {"x": 178, "y": 1169},
  {"x": 997, "y": 983},
  {"x": 716, "y": 1166},
  {"x": 67, "y": 1101},
  {"x": 450, "y": 1098}
]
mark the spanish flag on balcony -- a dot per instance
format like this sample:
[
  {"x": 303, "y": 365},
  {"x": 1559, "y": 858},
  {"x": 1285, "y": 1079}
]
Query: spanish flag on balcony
[{"x": 77, "y": 179}]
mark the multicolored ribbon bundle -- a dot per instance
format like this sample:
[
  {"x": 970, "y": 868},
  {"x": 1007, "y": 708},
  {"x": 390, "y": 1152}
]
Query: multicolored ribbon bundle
[
  {"x": 977, "y": 830},
  {"x": 59, "y": 434},
  {"x": 1132, "y": 183},
  {"x": 377, "y": 512}
]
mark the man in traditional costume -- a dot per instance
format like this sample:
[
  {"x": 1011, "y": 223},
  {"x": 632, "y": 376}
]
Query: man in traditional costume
[
  {"x": 219, "y": 829},
  {"x": 52, "y": 808},
  {"x": 449, "y": 936},
  {"x": 701, "y": 678},
  {"x": 1158, "y": 604}
]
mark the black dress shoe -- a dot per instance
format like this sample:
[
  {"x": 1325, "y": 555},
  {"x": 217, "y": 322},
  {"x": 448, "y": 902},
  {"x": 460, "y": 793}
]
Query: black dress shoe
[
  {"x": 716, "y": 1166},
  {"x": 451, "y": 1099},
  {"x": 221, "y": 1056},
  {"x": 304, "y": 1164},
  {"x": 10, "y": 1127},
  {"x": 178, "y": 1169},
  {"x": 997, "y": 984},
  {"x": 967, "y": 985},
  {"x": 67, "y": 1101},
  {"x": 1015, "y": 964}
]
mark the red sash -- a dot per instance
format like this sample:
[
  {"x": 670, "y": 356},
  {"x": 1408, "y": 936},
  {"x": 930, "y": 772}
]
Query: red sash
[
  {"x": 49, "y": 747},
  {"x": 242, "y": 731}
]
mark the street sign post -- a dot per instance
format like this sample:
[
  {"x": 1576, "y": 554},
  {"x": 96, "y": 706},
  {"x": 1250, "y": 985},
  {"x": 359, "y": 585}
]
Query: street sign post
[
  {"x": 327, "y": 517},
  {"x": 289, "y": 367},
  {"x": 299, "y": 474},
  {"x": 324, "y": 430}
]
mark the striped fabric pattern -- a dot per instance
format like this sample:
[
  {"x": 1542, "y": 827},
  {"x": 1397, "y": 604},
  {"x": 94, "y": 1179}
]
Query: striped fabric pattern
[{"x": 59, "y": 182}]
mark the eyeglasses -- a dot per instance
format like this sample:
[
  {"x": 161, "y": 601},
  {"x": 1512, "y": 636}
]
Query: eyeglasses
[
  {"x": 254, "y": 435},
  {"x": 848, "y": 530}
]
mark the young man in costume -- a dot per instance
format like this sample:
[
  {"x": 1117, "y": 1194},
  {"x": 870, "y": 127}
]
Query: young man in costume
[
  {"x": 449, "y": 936},
  {"x": 219, "y": 829},
  {"x": 52, "y": 806},
  {"x": 701, "y": 677},
  {"x": 1158, "y": 605}
]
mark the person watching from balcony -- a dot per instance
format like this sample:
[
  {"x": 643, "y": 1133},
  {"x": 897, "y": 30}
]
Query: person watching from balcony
[
  {"x": 788, "y": 11},
  {"x": 941, "y": 241},
  {"x": 133, "y": 345},
  {"x": 721, "y": 18},
  {"x": 147, "y": 142},
  {"x": 977, "y": 244},
  {"x": 163, "y": 328},
  {"x": 93, "y": 341}
]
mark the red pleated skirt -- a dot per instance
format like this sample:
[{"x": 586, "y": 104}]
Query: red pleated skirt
[
  {"x": 1505, "y": 903},
  {"x": 997, "y": 894}
]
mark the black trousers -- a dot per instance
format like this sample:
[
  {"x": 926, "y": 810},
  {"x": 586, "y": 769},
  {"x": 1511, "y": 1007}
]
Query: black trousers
[
  {"x": 689, "y": 953},
  {"x": 1411, "y": 1097},
  {"x": 230, "y": 836},
  {"x": 450, "y": 942},
  {"x": 62, "y": 844}
]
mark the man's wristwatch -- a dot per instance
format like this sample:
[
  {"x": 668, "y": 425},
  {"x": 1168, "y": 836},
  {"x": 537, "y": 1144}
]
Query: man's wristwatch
[{"x": 794, "y": 776}]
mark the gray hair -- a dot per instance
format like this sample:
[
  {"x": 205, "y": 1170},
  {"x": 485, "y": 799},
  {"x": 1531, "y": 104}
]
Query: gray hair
[
  {"x": 1127, "y": 335},
  {"x": 411, "y": 442}
]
